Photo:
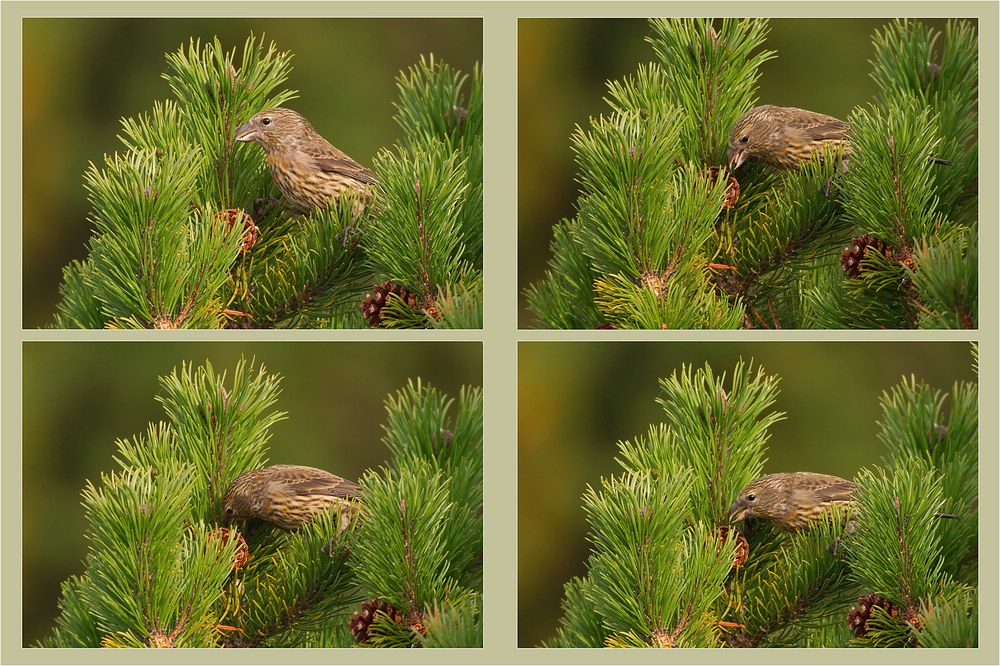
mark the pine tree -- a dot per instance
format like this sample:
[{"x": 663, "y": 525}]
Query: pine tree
[
  {"x": 190, "y": 232},
  {"x": 666, "y": 570},
  {"x": 159, "y": 572},
  {"x": 665, "y": 236}
]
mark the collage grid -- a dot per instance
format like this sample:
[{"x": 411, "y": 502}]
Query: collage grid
[{"x": 526, "y": 180}]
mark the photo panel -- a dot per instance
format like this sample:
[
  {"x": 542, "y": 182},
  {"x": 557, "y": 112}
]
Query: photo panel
[
  {"x": 748, "y": 494},
  {"x": 215, "y": 494},
  {"x": 252, "y": 173},
  {"x": 764, "y": 173}
]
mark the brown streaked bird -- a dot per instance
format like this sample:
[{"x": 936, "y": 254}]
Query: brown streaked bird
[
  {"x": 308, "y": 169},
  {"x": 287, "y": 496},
  {"x": 786, "y": 137},
  {"x": 792, "y": 500},
  {"x": 783, "y": 136}
]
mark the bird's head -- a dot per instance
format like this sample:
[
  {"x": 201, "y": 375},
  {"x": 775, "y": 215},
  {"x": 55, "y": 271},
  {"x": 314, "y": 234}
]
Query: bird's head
[
  {"x": 243, "y": 499},
  {"x": 762, "y": 498},
  {"x": 754, "y": 135},
  {"x": 274, "y": 128}
]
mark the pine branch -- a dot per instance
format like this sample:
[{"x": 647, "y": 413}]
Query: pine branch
[
  {"x": 762, "y": 253},
  {"x": 793, "y": 588},
  {"x": 398, "y": 555},
  {"x": 667, "y": 570},
  {"x": 564, "y": 298},
  {"x": 713, "y": 75},
  {"x": 724, "y": 432},
  {"x": 189, "y": 232},
  {"x": 896, "y": 546},
  {"x": 581, "y": 624},
  {"x": 290, "y": 595},
  {"x": 159, "y": 574}
]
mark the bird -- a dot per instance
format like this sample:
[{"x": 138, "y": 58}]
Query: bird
[
  {"x": 308, "y": 169},
  {"x": 287, "y": 496},
  {"x": 792, "y": 500},
  {"x": 784, "y": 137}
]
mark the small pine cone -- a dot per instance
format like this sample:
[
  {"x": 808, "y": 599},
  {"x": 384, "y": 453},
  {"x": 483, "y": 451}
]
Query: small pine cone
[
  {"x": 662, "y": 639},
  {"x": 223, "y": 534},
  {"x": 742, "y": 546},
  {"x": 164, "y": 323},
  {"x": 371, "y": 307},
  {"x": 232, "y": 216},
  {"x": 732, "y": 192},
  {"x": 858, "y": 616},
  {"x": 361, "y": 622},
  {"x": 158, "y": 639},
  {"x": 416, "y": 623},
  {"x": 655, "y": 283},
  {"x": 732, "y": 185},
  {"x": 851, "y": 257}
]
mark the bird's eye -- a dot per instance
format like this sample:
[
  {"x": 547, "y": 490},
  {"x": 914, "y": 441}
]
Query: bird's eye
[
  {"x": 751, "y": 497},
  {"x": 265, "y": 121},
  {"x": 744, "y": 139}
]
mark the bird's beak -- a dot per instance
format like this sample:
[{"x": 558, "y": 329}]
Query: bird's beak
[
  {"x": 736, "y": 158},
  {"x": 246, "y": 132},
  {"x": 737, "y": 512}
]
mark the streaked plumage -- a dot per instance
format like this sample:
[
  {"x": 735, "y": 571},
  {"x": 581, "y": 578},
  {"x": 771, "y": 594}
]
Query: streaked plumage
[
  {"x": 287, "y": 496},
  {"x": 791, "y": 500},
  {"x": 784, "y": 136},
  {"x": 308, "y": 169}
]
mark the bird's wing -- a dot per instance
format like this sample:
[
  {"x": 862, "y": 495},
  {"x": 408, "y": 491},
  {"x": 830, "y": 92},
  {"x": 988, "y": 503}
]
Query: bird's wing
[
  {"x": 331, "y": 159},
  {"x": 332, "y": 485},
  {"x": 314, "y": 482},
  {"x": 824, "y": 488},
  {"x": 345, "y": 166},
  {"x": 822, "y": 128}
]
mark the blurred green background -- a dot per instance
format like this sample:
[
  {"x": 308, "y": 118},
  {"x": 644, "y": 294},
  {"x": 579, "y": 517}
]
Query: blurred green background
[
  {"x": 577, "y": 400},
  {"x": 81, "y": 76},
  {"x": 80, "y": 397},
  {"x": 564, "y": 64}
]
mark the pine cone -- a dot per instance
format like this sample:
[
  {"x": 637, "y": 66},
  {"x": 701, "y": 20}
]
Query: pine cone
[
  {"x": 655, "y": 283},
  {"x": 857, "y": 618},
  {"x": 361, "y": 622},
  {"x": 662, "y": 639},
  {"x": 371, "y": 307},
  {"x": 159, "y": 639},
  {"x": 242, "y": 550},
  {"x": 233, "y": 216},
  {"x": 742, "y": 546},
  {"x": 732, "y": 185},
  {"x": 852, "y": 256}
]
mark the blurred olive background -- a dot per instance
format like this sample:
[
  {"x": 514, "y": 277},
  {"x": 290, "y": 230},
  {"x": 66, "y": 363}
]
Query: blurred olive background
[
  {"x": 577, "y": 400},
  {"x": 563, "y": 67},
  {"x": 82, "y": 76},
  {"x": 80, "y": 397}
]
